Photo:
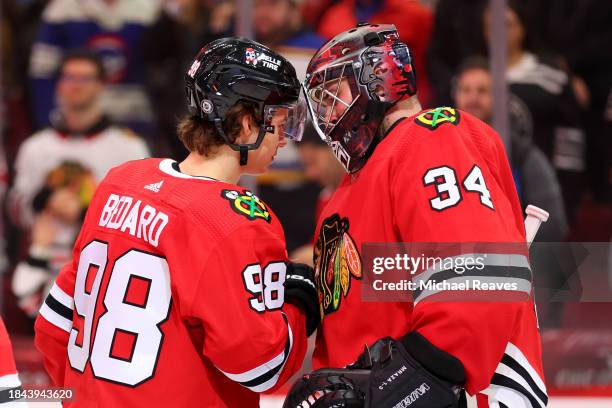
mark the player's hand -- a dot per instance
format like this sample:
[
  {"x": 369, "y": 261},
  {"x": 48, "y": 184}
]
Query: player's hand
[
  {"x": 302, "y": 255},
  {"x": 301, "y": 291}
]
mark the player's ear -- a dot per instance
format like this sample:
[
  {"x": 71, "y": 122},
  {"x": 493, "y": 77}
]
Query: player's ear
[{"x": 247, "y": 129}]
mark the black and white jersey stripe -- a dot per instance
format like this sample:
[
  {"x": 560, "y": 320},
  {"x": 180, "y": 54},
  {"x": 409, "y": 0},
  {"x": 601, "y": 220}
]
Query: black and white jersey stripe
[
  {"x": 57, "y": 308},
  {"x": 9, "y": 384},
  {"x": 265, "y": 376},
  {"x": 516, "y": 383},
  {"x": 492, "y": 268}
]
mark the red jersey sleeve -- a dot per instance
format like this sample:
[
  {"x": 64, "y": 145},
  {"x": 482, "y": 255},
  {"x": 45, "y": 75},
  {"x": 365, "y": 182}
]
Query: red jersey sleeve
[
  {"x": 250, "y": 334},
  {"x": 54, "y": 321},
  {"x": 8, "y": 372},
  {"x": 454, "y": 185}
]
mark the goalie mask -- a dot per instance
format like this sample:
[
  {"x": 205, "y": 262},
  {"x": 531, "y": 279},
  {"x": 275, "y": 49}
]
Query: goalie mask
[
  {"x": 351, "y": 82},
  {"x": 230, "y": 70}
]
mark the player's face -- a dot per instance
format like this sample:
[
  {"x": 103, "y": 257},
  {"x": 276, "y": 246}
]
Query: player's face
[
  {"x": 261, "y": 158},
  {"x": 321, "y": 165},
  {"x": 335, "y": 99},
  {"x": 473, "y": 93},
  {"x": 79, "y": 85}
]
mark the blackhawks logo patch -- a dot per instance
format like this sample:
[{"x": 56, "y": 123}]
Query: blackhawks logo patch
[
  {"x": 247, "y": 204},
  {"x": 435, "y": 118},
  {"x": 337, "y": 261}
]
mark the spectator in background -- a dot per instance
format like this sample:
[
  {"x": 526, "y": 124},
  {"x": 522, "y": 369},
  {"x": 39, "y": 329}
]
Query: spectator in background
[
  {"x": 168, "y": 48},
  {"x": 456, "y": 35},
  {"x": 535, "y": 179},
  {"x": 584, "y": 43},
  {"x": 13, "y": 102},
  {"x": 10, "y": 101},
  {"x": 4, "y": 180},
  {"x": 279, "y": 23},
  {"x": 548, "y": 95},
  {"x": 312, "y": 10},
  {"x": 56, "y": 171},
  {"x": 607, "y": 152},
  {"x": 412, "y": 19},
  {"x": 111, "y": 28},
  {"x": 320, "y": 164},
  {"x": 322, "y": 167}
]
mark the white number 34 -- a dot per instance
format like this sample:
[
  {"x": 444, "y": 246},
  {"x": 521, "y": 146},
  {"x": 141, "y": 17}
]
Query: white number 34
[{"x": 448, "y": 193}]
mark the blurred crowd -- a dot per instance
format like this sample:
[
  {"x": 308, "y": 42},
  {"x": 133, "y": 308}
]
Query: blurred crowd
[{"x": 88, "y": 84}]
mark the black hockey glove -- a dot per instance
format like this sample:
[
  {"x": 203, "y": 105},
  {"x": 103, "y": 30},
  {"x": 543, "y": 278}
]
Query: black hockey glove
[
  {"x": 301, "y": 291},
  {"x": 411, "y": 372},
  {"x": 390, "y": 373}
]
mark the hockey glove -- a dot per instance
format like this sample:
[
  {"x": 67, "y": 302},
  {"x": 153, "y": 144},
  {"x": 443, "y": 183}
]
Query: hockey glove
[
  {"x": 412, "y": 372},
  {"x": 329, "y": 387},
  {"x": 301, "y": 291},
  {"x": 388, "y": 374}
]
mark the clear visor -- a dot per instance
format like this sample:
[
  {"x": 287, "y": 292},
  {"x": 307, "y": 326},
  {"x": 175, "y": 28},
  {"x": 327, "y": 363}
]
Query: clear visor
[{"x": 287, "y": 119}]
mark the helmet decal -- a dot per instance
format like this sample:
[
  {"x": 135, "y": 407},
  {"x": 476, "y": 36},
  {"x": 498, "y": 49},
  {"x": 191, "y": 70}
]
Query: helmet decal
[
  {"x": 250, "y": 56},
  {"x": 194, "y": 68},
  {"x": 207, "y": 106}
]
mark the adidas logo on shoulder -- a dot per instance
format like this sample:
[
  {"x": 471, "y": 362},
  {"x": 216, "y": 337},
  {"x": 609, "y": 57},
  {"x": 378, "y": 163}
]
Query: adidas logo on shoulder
[{"x": 155, "y": 187}]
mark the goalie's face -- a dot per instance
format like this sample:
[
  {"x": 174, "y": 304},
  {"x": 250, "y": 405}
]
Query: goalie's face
[
  {"x": 335, "y": 97},
  {"x": 330, "y": 101}
]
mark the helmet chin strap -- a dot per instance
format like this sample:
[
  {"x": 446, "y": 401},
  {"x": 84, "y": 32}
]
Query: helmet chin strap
[
  {"x": 244, "y": 155},
  {"x": 242, "y": 149}
]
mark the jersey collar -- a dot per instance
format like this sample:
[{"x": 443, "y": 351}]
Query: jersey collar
[{"x": 171, "y": 168}]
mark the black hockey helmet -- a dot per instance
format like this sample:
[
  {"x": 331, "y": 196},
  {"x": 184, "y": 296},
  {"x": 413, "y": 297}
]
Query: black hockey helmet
[{"x": 230, "y": 70}]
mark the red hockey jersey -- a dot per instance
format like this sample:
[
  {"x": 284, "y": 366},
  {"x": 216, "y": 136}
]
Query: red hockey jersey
[
  {"x": 440, "y": 176},
  {"x": 9, "y": 381},
  {"x": 174, "y": 297}
]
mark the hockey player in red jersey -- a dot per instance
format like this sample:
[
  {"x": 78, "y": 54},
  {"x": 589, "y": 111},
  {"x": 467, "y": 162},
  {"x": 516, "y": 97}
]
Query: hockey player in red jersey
[
  {"x": 9, "y": 381},
  {"x": 417, "y": 176},
  {"x": 180, "y": 293}
]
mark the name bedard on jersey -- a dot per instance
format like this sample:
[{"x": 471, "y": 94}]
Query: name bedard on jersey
[{"x": 140, "y": 220}]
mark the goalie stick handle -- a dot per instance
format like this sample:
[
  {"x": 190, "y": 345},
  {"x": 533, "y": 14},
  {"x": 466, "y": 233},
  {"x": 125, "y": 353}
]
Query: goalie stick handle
[{"x": 535, "y": 217}]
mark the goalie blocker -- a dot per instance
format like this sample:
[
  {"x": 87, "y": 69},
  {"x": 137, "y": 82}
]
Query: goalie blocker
[{"x": 409, "y": 372}]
